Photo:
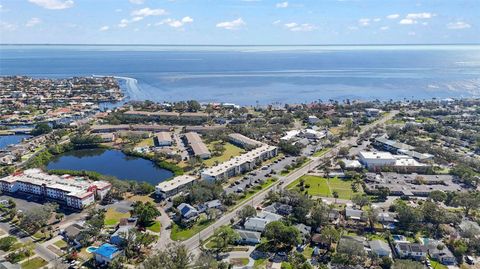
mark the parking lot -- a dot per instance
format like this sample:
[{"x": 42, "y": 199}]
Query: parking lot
[{"x": 255, "y": 177}]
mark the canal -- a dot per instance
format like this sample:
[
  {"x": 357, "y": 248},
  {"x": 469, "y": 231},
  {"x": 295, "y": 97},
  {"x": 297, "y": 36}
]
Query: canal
[
  {"x": 6, "y": 140},
  {"x": 113, "y": 163}
]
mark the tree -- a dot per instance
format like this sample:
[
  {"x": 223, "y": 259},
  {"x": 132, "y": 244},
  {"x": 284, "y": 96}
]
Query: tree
[
  {"x": 467, "y": 200},
  {"x": 329, "y": 235},
  {"x": 223, "y": 237},
  {"x": 145, "y": 212},
  {"x": 281, "y": 234},
  {"x": 335, "y": 195},
  {"x": 438, "y": 196},
  {"x": 7, "y": 242},
  {"x": 372, "y": 216},
  {"x": 34, "y": 219},
  {"x": 41, "y": 128},
  {"x": 246, "y": 212},
  {"x": 207, "y": 261},
  {"x": 320, "y": 214},
  {"x": 95, "y": 220},
  {"x": 134, "y": 241},
  {"x": 408, "y": 217},
  {"x": 175, "y": 256},
  {"x": 360, "y": 200}
]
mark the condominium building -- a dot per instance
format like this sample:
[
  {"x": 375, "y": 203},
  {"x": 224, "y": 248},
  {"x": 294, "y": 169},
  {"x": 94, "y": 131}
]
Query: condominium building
[
  {"x": 197, "y": 146},
  {"x": 76, "y": 192},
  {"x": 243, "y": 141},
  {"x": 171, "y": 187},
  {"x": 239, "y": 164},
  {"x": 164, "y": 139}
]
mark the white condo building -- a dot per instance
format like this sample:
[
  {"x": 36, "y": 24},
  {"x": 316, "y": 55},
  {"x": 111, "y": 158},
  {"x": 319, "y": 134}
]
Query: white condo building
[
  {"x": 239, "y": 164},
  {"x": 171, "y": 187},
  {"x": 76, "y": 192}
]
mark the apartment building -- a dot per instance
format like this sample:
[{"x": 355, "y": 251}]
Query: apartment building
[{"x": 75, "y": 192}]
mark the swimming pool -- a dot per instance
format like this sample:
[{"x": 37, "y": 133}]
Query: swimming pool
[{"x": 91, "y": 249}]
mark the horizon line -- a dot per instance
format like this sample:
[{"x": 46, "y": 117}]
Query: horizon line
[{"x": 237, "y": 45}]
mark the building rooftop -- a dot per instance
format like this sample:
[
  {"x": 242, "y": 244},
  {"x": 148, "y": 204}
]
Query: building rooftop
[
  {"x": 107, "y": 250},
  {"x": 174, "y": 183}
]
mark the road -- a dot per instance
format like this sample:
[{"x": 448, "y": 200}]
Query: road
[{"x": 257, "y": 199}]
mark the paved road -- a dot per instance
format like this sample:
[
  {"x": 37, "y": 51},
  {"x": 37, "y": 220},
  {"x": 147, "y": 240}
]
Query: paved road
[{"x": 257, "y": 199}]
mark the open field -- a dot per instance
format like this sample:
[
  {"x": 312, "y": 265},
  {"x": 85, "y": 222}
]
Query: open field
[
  {"x": 33, "y": 263},
  {"x": 181, "y": 234},
  {"x": 230, "y": 151},
  {"x": 112, "y": 216},
  {"x": 319, "y": 186}
]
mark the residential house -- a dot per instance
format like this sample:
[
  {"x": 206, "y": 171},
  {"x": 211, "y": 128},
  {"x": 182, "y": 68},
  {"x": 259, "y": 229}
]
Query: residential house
[
  {"x": 380, "y": 248},
  {"x": 411, "y": 250},
  {"x": 279, "y": 208},
  {"x": 438, "y": 251},
  {"x": 259, "y": 222},
  {"x": 106, "y": 253},
  {"x": 121, "y": 235},
  {"x": 248, "y": 237},
  {"x": 71, "y": 234},
  {"x": 214, "y": 204},
  {"x": 354, "y": 214},
  {"x": 187, "y": 212}
]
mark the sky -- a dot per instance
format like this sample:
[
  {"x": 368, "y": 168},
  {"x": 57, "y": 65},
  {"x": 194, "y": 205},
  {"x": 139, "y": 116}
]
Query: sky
[{"x": 239, "y": 22}]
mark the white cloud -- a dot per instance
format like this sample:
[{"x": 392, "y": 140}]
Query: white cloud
[
  {"x": 104, "y": 28},
  {"x": 32, "y": 22},
  {"x": 422, "y": 15},
  {"x": 231, "y": 25},
  {"x": 282, "y": 4},
  {"x": 458, "y": 25},
  {"x": 145, "y": 12},
  {"x": 137, "y": 2},
  {"x": 276, "y": 22},
  {"x": 137, "y": 19},
  {"x": 393, "y": 16},
  {"x": 408, "y": 21},
  {"x": 296, "y": 27},
  {"x": 5, "y": 26},
  {"x": 53, "y": 4},
  {"x": 364, "y": 21},
  {"x": 176, "y": 23},
  {"x": 123, "y": 23},
  {"x": 384, "y": 28}
]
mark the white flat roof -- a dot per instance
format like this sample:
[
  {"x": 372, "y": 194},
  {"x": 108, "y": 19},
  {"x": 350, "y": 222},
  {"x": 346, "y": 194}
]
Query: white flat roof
[
  {"x": 239, "y": 160},
  {"x": 376, "y": 155},
  {"x": 174, "y": 183}
]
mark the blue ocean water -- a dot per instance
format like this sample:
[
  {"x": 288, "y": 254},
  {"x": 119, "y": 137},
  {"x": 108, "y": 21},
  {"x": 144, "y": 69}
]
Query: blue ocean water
[{"x": 247, "y": 75}]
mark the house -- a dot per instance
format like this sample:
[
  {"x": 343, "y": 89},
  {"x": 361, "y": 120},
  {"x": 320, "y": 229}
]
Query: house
[
  {"x": 279, "y": 208},
  {"x": 248, "y": 237},
  {"x": 372, "y": 112},
  {"x": 304, "y": 230},
  {"x": 468, "y": 227},
  {"x": 313, "y": 119},
  {"x": 259, "y": 222},
  {"x": 354, "y": 214},
  {"x": 107, "y": 137},
  {"x": 106, "y": 253},
  {"x": 380, "y": 248},
  {"x": 214, "y": 204},
  {"x": 187, "y": 212},
  {"x": 164, "y": 139},
  {"x": 438, "y": 251},
  {"x": 71, "y": 234},
  {"x": 411, "y": 250},
  {"x": 120, "y": 235},
  {"x": 387, "y": 219}
]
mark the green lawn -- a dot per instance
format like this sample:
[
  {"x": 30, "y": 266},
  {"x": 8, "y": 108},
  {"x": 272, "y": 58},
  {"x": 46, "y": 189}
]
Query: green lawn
[
  {"x": 61, "y": 244},
  {"x": 155, "y": 227},
  {"x": 260, "y": 263},
  {"x": 230, "y": 151},
  {"x": 437, "y": 265},
  {"x": 147, "y": 142},
  {"x": 321, "y": 152},
  {"x": 239, "y": 261},
  {"x": 34, "y": 263},
  {"x": 112, "y": 216},
  {"x": 181, "y": 234},
  {"x": 324, "y": 187}
]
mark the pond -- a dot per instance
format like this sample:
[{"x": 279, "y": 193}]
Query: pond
[
  {"x": 113, "y": 163},
  {"x": 6, "y": 140}
]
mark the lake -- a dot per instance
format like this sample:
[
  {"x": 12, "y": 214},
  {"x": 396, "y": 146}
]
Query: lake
[
  {"x": 6, "y": 140},
  {"x": 248, "y": 75},
  {"x": 113, "y": 163}
]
